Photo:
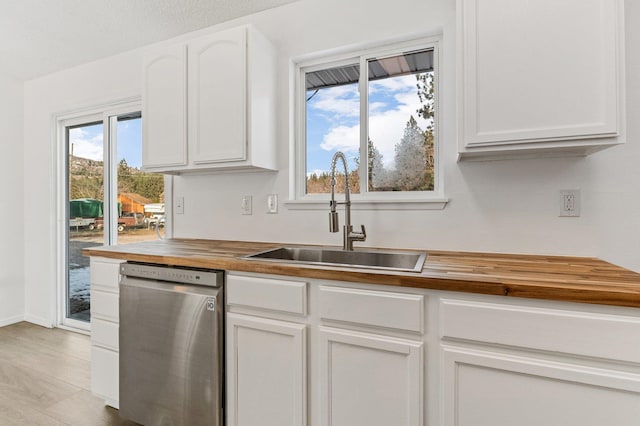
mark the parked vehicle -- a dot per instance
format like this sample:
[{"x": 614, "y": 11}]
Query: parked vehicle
[
  {"x": 82, "y": 222},
  {"x": 127, "y": 220},
  {"x": 154, "y": 214},
  {"x": 83, "y": 213}
]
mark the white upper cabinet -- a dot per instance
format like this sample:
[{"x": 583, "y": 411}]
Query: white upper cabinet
[
  {"x": 539, "y": 77},
  {"x": 217, "y": 97},
  {"x": 229, "y": 94},
  {"x": 164, "y": 126}
]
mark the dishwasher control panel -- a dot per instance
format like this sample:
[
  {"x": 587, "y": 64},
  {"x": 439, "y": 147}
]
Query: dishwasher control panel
[{"x": 206, "y": 277}]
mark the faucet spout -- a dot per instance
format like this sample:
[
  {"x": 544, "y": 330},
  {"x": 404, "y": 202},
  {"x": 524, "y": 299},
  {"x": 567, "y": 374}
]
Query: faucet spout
[{"x": 349, "y": 234}]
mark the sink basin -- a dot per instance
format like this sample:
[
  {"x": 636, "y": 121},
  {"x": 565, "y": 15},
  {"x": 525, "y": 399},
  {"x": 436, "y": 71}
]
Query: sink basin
[{"x": 389, "y": 260}]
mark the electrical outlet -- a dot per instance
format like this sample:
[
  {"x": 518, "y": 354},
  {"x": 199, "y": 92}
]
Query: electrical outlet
[
  {"x": 570, "y": 203},
  {"x": 245, "y": 207},
  {"x": 179, "y": 205},
  {"x": 272, "y": 203}
]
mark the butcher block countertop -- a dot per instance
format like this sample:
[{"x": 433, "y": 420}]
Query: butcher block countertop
[{"x": 570, "y": 279}]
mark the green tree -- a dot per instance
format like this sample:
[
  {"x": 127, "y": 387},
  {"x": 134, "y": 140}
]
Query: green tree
[
  {"x": 425, "y": 88},
  {"x": 425, "y": 85},
  {"x": 149, "y": 185}
]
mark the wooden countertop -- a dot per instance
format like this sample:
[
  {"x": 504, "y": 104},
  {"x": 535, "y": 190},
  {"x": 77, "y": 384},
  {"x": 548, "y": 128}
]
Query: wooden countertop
[{"x": 572, "y": 279}]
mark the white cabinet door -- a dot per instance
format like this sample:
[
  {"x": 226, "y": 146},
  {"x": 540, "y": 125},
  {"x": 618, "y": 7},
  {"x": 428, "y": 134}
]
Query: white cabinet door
[
  {"x": 266, "y": 372},
  {"x": 218, "y": 96},
  {"x": 532, "y": 74},
  {"x": 164, "y": 121},
  {"x": 494, "y": 389},
  {"x": 369, "y": 379}
]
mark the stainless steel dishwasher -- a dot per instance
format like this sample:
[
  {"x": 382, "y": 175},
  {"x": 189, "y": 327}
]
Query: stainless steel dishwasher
[{"x": 171, "y": 345}]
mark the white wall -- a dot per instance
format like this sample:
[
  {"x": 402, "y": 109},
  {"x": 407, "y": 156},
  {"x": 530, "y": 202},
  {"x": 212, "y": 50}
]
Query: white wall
[
  {"x": 11, "y": 171},
  {"x": 506, "y": 206},
  {"x": 89, "y": 85}
]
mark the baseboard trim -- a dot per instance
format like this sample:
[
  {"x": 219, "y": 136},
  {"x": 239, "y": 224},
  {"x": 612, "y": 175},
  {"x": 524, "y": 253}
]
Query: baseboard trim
[
  {"x": 11, "y": 320},
  {"x": 44, "y": 322}
]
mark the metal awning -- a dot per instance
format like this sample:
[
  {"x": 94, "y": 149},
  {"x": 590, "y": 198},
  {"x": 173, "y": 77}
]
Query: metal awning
[{"x": 379, "y": 68}]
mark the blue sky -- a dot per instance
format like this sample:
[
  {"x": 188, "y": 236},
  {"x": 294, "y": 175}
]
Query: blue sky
[
  {"x": 333, "y": 120},
  {"x": 88, "y": 142}
]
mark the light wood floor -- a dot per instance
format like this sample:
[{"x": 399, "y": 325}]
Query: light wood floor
[{"x": 44, "y": 379}]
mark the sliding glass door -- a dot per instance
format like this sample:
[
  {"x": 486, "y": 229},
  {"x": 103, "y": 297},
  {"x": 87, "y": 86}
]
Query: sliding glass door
[
  {"x": 108, "y": 199},
  {"x": 86, "y": 201}
]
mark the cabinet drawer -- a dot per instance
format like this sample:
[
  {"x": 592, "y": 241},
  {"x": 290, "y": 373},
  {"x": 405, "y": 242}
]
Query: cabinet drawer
[
  {"x": 267, "y": 293},
  {"x": 105, "y": 373},
  {"x": 104, "y": 306},
  {"x": 104, "y": 334},
  {"x": 555, "y": 330},
  {"x": 105, "y": 274},
  {"x": 378, "y": 308}
]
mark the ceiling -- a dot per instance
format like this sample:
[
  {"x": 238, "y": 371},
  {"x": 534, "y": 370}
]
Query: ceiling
[{"x": 38, "y": 37}]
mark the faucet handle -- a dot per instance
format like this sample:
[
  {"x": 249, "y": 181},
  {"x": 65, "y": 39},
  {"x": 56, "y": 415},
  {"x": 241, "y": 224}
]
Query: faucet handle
[{"x": 360, "y": 236}]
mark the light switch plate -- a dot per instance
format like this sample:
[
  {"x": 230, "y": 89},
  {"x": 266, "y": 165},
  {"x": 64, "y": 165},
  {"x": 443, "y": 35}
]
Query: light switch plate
[
  {"x": 272, "y": 203},
  {"x": 245, "y": 206},
  {"x": 179, "y": 205}
]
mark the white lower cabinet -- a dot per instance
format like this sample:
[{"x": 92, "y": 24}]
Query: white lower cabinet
[
  {"x": 323, "y": 353},
  {"x": 105, "y": 276},
  {"x": 380, "y": 355},
  {"x": 529, "y": 364},
  {"x": 370, "y": 355},
  {"x": 369, "y": 379},
  {"x": 266, "y": 372},
  {"x": 308, "y": 352},
  {"x": 490, "y": 388},
  {"x": 266, "y": 351}
]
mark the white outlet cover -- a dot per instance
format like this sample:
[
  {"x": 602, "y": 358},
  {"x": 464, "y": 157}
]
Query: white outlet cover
[{"x": 569, "y": 203}]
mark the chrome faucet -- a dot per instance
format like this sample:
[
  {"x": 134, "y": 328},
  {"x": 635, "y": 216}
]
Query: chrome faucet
[{"x": 349, "y": 235}]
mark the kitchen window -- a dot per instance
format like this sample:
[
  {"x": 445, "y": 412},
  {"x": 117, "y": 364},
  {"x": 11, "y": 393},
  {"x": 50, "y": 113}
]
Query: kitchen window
[{"x": 380, "y": 108}]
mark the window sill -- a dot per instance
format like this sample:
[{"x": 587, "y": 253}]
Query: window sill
[{"x": 409, "y": 204}]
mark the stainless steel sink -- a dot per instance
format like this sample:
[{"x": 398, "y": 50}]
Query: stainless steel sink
[{"x": 389, "y": 260}]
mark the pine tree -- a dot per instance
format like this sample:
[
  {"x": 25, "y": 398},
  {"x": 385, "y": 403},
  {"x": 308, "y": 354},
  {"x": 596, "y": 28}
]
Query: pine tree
[
  {"x": 410, "y": 160},
  {"x": 425, "y": 87},
  {"x": 377, "y": 174}
]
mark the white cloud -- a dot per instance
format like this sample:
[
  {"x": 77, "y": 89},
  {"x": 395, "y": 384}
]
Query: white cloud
[
  {"x": 376, "y": 106},
  {"x": 342, "y": 138},
  {"x": 86, "y": 146},
  {"x": 386, "y": 125},
  {"x": 339, "y": 100},
  {"x": 386, "y": 128},
  {"x": 393, "y": 84}
]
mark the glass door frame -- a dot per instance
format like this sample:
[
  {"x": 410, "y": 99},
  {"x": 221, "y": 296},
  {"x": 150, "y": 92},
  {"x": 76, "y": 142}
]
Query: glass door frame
[{"x": 106, "y": 114}]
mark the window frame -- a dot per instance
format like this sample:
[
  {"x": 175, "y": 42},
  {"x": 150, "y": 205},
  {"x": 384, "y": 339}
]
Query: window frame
[{"x": 394, "y": 200}]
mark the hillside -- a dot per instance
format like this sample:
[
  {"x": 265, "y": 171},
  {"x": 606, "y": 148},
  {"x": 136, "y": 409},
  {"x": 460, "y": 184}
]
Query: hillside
[{"x": 86, "y": 180}]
